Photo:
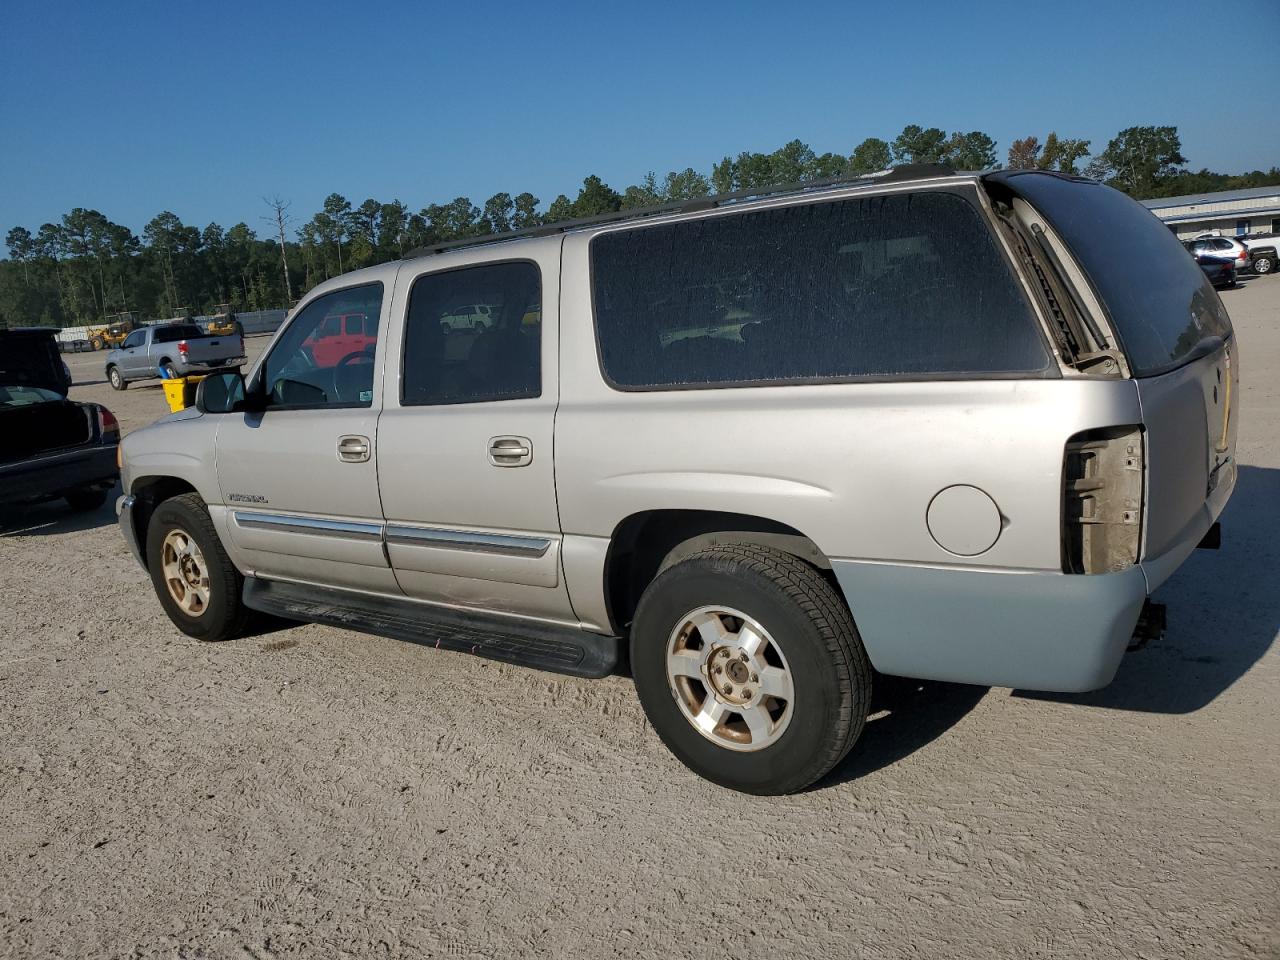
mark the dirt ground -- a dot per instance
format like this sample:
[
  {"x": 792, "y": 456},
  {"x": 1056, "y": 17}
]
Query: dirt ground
[{"x": 318, "y": 793}]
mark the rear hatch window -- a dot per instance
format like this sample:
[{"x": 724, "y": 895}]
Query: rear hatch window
[
  {"x": 31, "y": 359},
  {"x": 1160, "y": 302},
  {"x": 186, "y": 331}
]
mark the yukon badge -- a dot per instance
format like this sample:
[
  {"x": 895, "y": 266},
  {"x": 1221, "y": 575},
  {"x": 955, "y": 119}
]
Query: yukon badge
[{"x": 246, "y": 498}]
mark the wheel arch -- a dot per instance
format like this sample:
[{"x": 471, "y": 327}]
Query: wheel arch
[
  {"x": 149, "y": 492},
  {"x": 646, "y": 542}
]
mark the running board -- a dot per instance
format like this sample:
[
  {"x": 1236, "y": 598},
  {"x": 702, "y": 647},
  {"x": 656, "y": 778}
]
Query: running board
[{"x": 526, "y": 642}]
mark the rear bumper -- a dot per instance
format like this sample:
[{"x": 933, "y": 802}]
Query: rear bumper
[
  {"x": 196, "y": 366},
  {"x": 1037, "y": 630},
  {"x": 55, "y": 475}
]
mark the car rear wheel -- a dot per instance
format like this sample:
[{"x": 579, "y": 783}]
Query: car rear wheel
[
  {"x": 96, "y": 343},
  {"x": 198, "y": 586},
  {"x": 1264, "y": 264},
  {"x": 749, "y": 667},
  {"x": 118, "y": 382}
]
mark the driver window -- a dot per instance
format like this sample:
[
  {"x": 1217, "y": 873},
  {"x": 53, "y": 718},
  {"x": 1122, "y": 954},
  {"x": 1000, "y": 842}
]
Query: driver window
[
  {"x": 315, "y": 365},
  {"x": 134, "y": 339}
]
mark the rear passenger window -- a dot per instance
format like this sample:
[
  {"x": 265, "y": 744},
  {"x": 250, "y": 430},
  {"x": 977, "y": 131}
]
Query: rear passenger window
[
  {"x": 901, "y": 285},
  {"x": 474, "y": 335}
]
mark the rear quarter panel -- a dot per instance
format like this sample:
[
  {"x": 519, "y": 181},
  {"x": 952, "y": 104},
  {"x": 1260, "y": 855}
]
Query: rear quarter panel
[{"x": 852, "y": 466}]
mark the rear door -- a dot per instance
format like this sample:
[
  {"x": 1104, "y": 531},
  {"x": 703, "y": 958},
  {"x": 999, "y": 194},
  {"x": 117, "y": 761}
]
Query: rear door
[{"x": 465, "y": 440}]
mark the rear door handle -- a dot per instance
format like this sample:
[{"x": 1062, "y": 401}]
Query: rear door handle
[
  {"x": 510, "y": 451},
  {"x": 353, "y": 448}
]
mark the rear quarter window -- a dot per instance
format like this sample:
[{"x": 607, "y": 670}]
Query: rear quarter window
[
  {"x": 1158, "y": 299},
  {"x": 174, "y": 334},
  {"x": 899, "y": 286}
]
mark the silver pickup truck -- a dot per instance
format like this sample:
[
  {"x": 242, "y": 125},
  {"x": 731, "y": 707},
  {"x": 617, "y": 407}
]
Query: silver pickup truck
[
  {"x": 171, "y": 350},
  {"x": 950, "y": 426}
]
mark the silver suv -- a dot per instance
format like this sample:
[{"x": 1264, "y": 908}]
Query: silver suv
[{"x": 743, "y": 447}]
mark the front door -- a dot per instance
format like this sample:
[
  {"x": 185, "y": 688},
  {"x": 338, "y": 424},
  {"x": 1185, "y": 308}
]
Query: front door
[
  {"x": 133, "y": 356},
  {"x": 465, "y": 451},
  {"x": 300, "y": 480}
]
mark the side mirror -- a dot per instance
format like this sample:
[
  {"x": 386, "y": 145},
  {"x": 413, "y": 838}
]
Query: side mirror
[{"x": 221, "y": 393}]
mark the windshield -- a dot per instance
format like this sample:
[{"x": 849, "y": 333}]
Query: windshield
[{"x": 21, "y": 395}]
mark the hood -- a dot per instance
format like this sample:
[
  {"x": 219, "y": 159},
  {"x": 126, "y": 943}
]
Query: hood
[{"x": 30, "y": 358}]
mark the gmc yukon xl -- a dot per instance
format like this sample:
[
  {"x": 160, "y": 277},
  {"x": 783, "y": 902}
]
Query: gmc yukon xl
[{"x": 947, "y": 426}]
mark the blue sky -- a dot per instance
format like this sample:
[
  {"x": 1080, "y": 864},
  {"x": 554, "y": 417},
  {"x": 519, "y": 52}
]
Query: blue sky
[{"x": 203, "y": 108}]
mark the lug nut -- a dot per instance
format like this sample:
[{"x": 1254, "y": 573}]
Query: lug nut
[
  {"x": 719, "y": 670},
  {"x": 742, "y": 657},
  {"x": 754, "y": 678},
  {"x": 746, "y": 694},
  {"x": 728, "y": 688}
]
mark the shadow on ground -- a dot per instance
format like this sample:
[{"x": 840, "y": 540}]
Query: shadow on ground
[
  {"x": 1224, "y": 613},
  {"x": 905, "y": 716},
  {"x": 55, "y": 517}
]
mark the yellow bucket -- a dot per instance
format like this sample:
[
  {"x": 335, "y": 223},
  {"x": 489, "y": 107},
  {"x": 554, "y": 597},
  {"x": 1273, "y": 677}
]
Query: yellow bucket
[{"x": 180, "y": 391}]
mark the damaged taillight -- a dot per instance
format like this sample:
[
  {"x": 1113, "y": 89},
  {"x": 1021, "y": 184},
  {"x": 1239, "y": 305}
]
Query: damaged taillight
[
  {"x": 1103, "y": 477},
  {"x": 108, "y": 425}
]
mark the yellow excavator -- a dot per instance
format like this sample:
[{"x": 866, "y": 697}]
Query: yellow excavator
[{"x": 119, "y": 326}]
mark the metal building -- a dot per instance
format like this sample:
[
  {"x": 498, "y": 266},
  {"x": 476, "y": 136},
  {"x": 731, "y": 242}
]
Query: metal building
[{"x": 1231, "y": 213}]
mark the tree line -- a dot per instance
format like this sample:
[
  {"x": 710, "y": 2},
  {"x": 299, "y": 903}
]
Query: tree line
[{"x": 84, "y": 268}]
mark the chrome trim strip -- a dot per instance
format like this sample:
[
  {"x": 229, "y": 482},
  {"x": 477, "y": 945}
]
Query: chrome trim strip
[
  {"x": 460, "y": 608},
  {"x": 501, "y": 543},
  {"x": 281, "y": 523}
]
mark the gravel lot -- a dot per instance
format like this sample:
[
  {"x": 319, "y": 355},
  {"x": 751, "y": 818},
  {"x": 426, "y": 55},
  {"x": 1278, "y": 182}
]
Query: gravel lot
[{"x": 316, "y": 793}]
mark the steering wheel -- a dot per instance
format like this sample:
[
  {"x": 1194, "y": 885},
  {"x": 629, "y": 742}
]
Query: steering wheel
[{"x": 357, "y": 357}]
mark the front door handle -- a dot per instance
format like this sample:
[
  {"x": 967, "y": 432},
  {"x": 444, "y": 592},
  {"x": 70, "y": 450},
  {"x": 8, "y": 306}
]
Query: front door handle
[
  {"x": 353, "y": 448},
  {"x": 510, "y": 451}
]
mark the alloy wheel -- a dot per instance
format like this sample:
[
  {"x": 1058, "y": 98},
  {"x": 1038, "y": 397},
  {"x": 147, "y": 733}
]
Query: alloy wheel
[
  {"x": 185, "y": 572},
  {"x": 730, "y": 678}
]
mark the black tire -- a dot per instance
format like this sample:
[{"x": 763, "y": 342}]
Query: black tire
[
  {"x": 96, "y": 343},
  {"x": 82, "y": 501},
  {"x": 812, "y": 627},
  {"x": 225, "y": 616},
  {"x": 1264, "y": 264},
  {"x": 116, "y": 378}
]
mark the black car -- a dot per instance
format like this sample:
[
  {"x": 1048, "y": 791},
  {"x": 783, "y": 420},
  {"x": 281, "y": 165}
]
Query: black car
[
  {"x": 53, "y": 447},
  {"x": 1220, "y": 271}
]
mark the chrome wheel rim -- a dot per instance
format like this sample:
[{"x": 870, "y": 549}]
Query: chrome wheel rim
[
  {"x": 115, "y": 377},
  {"x": 185, "y": 574},
  {"x": 729, "y": 678}
]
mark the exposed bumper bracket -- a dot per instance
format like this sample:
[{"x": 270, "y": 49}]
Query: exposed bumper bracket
[
  {"x": 1212, "y": 539},
  {"x": 1150, "y": 626}
]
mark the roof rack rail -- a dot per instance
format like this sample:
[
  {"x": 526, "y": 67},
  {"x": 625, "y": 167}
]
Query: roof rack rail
[{"x": 911, "y": 171}]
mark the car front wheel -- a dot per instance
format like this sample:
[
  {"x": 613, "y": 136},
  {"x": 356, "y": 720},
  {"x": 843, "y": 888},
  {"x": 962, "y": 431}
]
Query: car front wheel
[
  {"x": 118, "y": 382},
  {"x": 749, "y": 667},
  {"x": 196, "y": 582}
]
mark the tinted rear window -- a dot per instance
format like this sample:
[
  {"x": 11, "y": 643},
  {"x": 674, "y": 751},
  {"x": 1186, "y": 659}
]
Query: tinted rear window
[
  {"x": 1158, "y": 298},
  {"x": 889, "y": 286},
  {"x": 187, "y": 331}
]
